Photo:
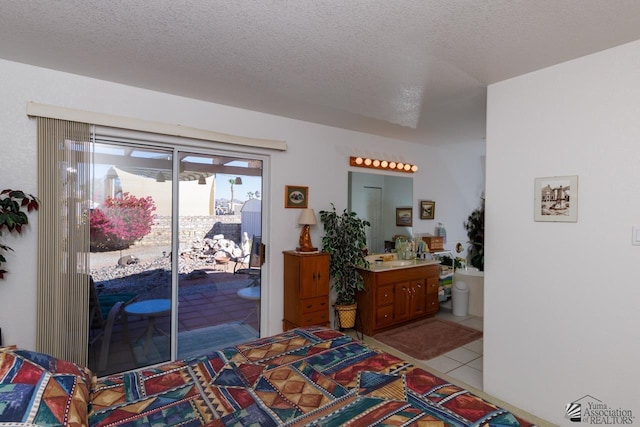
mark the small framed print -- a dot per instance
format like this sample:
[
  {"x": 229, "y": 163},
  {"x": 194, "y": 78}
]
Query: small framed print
[
  {"x": 556, "y": 199},
  {"x": 427, "y": 209},
  {"x": 404, "y": 217},
  {"x": 296, "y": 196}
]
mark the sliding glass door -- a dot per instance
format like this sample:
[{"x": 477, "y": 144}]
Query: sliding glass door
[
  {"x": 219, "y": 225},
  {"x": 175, "y": 253},
  {"x": 130, "y": 259}
]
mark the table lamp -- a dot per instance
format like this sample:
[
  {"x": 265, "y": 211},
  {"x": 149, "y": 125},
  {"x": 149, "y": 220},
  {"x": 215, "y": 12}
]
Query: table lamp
[{"x": 307, "y": 219}]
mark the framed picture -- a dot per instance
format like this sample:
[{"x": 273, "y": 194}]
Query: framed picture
[
  {"x": 427, "y": 209},
  {"x": 404, "y": 217},
  {"x": 296, "y": 196},
  {"x": 556, "y": 199}
]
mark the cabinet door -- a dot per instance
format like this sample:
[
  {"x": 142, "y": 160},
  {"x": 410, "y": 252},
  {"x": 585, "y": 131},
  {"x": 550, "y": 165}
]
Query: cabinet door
[
  {"x": 322, "y": 275},
  {"x": 314, "y": 276},
  {"x": 418, "y": 297},
  {"x": 402, "y": 301}
]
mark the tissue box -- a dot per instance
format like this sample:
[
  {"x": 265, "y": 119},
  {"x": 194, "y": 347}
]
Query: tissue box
[{"x": 435, "y": 243}]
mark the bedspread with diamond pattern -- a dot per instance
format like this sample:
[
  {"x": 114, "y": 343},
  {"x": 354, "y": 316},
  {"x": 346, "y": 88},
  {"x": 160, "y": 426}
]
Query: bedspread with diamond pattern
[{"x": 310, "y": 376}]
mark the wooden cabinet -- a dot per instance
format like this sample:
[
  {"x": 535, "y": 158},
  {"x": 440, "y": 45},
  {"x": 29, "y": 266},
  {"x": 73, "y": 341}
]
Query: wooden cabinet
[
  {"x": 398, "y": 296},
  {"x": 306, "y": 289},
  {"x": 409, "y": 299}
]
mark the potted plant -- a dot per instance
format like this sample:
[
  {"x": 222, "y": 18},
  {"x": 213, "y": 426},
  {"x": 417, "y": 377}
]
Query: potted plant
[
  {"x": 345, "y": 241},
  {"x": 12, "y": 215},
  {"x": 475, "y": 232}
]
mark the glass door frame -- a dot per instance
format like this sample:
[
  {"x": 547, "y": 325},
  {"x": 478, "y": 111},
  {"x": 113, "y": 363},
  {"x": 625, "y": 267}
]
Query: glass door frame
[
  {"x": 214, "y": 150},
  {"x": 177, "y": 144}
]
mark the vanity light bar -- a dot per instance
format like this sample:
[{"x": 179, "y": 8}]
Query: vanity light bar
[{"x": 365, "y": 162}]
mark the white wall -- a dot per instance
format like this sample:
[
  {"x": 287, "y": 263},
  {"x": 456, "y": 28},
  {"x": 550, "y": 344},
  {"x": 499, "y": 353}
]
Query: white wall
[
  {"x": 317, "y": 156},
  {"x": 562, "y": 299}
]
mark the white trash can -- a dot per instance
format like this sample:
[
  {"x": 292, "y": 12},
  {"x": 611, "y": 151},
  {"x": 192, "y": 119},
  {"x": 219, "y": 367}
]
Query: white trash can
[{"x": 460, "y": 298}]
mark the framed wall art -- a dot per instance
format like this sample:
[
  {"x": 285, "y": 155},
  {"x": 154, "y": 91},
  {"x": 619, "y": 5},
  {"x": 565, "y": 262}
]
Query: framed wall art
[
  {"x": 296, "y": 196},
  {"x": 427, "y": 209},
  {"x": 404, "y": 217},
  {"x": 556, "y": 199}
]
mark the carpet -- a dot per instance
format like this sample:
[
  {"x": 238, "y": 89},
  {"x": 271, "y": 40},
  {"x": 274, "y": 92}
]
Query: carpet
[
  {"x": 429, "y": 338},
  {"x": 193, "y": 343}
]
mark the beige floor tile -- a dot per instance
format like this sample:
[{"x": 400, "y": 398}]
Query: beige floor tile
[
  {"x": 442, "y": 363},
  {"x": 475, "y": 346},
  {"x": 468, "y": 375},
  {"x": 462, "y": 355},
  {"x": 477, "y": 363}
]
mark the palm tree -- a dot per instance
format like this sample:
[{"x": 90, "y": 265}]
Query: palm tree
[{"x": 233, "y": 181}]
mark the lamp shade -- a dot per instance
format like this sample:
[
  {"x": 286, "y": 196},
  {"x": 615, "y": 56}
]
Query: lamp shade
[{"x": 307, "y": 217}]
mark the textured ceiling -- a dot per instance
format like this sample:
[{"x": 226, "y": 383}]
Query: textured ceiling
[{"x": 409, "y": 69}]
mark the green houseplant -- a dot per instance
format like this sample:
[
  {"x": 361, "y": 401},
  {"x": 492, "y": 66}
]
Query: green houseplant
[
  {"x": 345, "y": 241},
  {"x": 475, "y": 232},
  {"x": 13, "y": 204}
]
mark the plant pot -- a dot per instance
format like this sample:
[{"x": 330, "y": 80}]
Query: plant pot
[{"x": 347, "y": 315}]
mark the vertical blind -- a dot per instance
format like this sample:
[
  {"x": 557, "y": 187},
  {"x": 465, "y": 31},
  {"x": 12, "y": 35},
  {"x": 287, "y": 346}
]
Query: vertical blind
[{"x": 63, "y": 239}]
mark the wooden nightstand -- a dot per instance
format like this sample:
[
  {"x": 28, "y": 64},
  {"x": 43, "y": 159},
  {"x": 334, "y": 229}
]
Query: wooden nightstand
[{"x": 306, "y": 289}]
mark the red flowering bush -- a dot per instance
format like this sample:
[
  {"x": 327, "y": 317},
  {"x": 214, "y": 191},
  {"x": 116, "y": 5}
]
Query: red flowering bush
[{"x": 121, "y": 222}]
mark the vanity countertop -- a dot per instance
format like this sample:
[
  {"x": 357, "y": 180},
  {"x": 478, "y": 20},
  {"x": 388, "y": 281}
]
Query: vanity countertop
[{"x": 396, "y": 264}]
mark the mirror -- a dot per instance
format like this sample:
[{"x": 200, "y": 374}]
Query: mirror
[{"x": 375, "y": 197}]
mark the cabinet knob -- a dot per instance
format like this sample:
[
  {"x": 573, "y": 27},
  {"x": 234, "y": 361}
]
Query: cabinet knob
[{"x": 308, "y": 305}]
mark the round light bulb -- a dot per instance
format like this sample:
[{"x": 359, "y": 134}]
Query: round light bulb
[
  {"x": 414, "y": 168},
  {"x": 392, "y": 165},
  {"x": 376, "y": 163},
  {"x": 407, "y": 167},
  {"x": 367, "y": 162},
  {"x": 359, "y": 160},
  {"x": 384, "y": 163},
  {"x": 400, "y": 165}
]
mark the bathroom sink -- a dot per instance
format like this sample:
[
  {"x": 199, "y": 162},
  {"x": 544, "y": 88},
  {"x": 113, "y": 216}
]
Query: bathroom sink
[{"x": 399, "y": 263}]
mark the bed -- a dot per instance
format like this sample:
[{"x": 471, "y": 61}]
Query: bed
[{"x": 307, "y": 376}]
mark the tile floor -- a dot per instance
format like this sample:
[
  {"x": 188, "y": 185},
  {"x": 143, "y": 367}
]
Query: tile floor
[{"x": 463, "y": 363}]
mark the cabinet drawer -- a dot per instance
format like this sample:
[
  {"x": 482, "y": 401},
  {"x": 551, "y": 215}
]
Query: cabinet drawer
[
  {"x": 432, "y": 285},
  {"x": 310, "y": 305},
  {"x": 384, "y": 316},
  {"x": 384, "y": 295},
  {"x": 432, "y": 303},
  {"x": 316, "y": 318}
]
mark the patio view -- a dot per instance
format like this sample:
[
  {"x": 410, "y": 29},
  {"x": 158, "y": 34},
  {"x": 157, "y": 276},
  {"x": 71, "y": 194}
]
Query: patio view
[{"x": 135, "y": 277}]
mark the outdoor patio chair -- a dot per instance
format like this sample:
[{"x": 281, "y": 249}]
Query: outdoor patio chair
[
  {"x": 247, "y": 259},
  {"x": 101, "y": 326}
]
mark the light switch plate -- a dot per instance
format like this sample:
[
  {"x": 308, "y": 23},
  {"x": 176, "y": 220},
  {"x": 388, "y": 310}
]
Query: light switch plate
[{"x": 635, "y": 235}]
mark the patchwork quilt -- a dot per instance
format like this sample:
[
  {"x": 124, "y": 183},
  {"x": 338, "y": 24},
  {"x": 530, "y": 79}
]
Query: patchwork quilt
[{"x": 311, "y": 376}]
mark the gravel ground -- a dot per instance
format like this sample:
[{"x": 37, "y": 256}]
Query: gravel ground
[{"x": 150, "y": 274}]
